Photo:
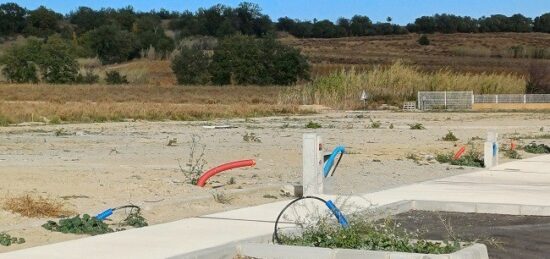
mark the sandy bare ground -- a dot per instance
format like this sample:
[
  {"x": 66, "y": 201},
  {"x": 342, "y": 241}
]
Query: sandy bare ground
[{"x": 92, "y": 167}]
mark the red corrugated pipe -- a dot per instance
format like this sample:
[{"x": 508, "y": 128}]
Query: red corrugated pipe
[{"x": 216, "y": 170}]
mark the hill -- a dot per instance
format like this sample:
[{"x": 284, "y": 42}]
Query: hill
[{"x": 464, "y": 52}]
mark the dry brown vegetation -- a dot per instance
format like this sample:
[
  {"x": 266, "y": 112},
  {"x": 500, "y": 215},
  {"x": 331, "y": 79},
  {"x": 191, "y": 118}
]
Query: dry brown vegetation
[
  {"x": 97, "y": 103},
  {"x": 462, "y": 52},
  {"x": 36, "y": 206}
]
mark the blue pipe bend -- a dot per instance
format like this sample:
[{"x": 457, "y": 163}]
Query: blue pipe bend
[{"x": 330, "y": 160}]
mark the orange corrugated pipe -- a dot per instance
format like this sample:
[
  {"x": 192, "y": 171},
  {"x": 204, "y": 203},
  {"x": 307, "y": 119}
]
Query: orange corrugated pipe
[{"x": 218, "y": 169}]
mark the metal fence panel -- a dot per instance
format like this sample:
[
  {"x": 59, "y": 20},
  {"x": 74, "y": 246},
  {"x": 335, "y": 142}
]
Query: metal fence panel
[
  {"x": 512, "y": 98},
  {"x": 448, "y": 100}
]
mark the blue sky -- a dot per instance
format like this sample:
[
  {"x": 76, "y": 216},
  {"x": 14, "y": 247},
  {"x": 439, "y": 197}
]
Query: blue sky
[{"x": 402, "y": 11}]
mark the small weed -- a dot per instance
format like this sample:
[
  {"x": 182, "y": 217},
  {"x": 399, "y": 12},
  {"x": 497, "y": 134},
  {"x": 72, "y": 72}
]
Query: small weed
[
  {"x": 172, "y": 142},
  {"x": 8, "y": 240},
  {"x": 413, "y": 157},
  {"x": 61, "y": 132},
  {"x": 375, "y": 124},
  {"x": 222, "y": 198},
  {"x": 251, "y": 137},
  {"x": 313, "y": 125},
  {"x": 416, "y": 126},
  {"x": 391, "y": 126},
  {"x": 285, "y": 125},
  {"x": 232, "y": 181},
  {"x": 269, "y": 196},
  {"x": 449, "y": 137},
  {"x": 196, "y": 162}
]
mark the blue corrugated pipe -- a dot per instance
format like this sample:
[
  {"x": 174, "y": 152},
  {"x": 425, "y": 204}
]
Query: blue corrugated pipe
[{"x": 330, "y": 161}]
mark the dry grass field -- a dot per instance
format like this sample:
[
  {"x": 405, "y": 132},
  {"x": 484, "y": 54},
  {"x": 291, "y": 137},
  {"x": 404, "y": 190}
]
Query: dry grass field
[
  {"x": 98, "y": 103},
  {"x": 462, "y": 52}
]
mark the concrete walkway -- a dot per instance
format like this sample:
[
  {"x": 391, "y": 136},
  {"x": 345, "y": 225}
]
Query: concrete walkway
[{"x": 525, "y": 182}]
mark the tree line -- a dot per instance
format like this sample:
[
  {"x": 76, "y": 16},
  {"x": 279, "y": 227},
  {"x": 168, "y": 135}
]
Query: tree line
[{"x": 247, "y": 19}]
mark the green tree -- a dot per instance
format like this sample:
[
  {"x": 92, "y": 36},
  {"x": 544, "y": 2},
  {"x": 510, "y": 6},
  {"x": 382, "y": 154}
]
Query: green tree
[
  {"x": 542, "y": 23},
  {"x": 19, "y": 62},
  {"x": 111, "y": 44},
  {"x": 86, "y": 19},
  {"x": 12, "y": 19},
  {"x": 42, "y": 22},
  {"x": 57, "y": 62},
  {"x": 191, "y": 66},
  {"x": 251, "y": 61}
]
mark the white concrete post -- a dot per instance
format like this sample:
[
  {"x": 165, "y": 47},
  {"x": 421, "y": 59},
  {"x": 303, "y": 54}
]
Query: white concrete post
[
  {"x": 445, "y": 97},
  {"x": 490, "y": 150},
  {"x": 524, "y": 98},
  {"x": 312, "y": 164}
]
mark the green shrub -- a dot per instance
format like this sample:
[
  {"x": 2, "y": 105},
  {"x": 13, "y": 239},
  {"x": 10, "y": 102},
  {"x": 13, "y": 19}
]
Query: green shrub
[
  {"x": 313, "y": 125},
  {"x": 115, "y": 78},
  {"x": 246, "y": 60},
  {"x": 449, "y": 137},
  {"x": 20, "y": 62},
  {"x": 79, "y": 225},
  {"x": 57, "y": 63},
  {"x": 87, "y": 78},
  {"x": 416, "y": 126},
  {"x": 513, "y": 154},
  {"x": 537, "y": 149},
  {"x": 471, "y": 158},
  {"x": 8, "y": 240},
  {"x": 423, "y": 40},
  {"x": 191, "y": 66}
]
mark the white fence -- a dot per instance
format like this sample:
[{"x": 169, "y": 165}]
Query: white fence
[
  {"x": 463, "y": 100},
  {"x": 447, "y": 100},
  {"x": 512, "y": 98}
]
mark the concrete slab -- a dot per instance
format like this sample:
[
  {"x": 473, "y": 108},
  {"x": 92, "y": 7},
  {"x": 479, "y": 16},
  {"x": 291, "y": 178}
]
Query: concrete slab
[{"x": 527, "y": 184}]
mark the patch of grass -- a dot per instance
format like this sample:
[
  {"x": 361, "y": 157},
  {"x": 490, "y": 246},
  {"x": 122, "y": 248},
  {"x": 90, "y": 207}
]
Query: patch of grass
[
  {"x": 391, "y": 126},
  {"x": 36, "y": 207},
  {"x": 416, "y": 126},
  {"x": 449, "y": 137},
  {"x": 535, "y": 148},
  {"x": 361, "y": 234},
  {"x": 8, "y": 240},
  {"x": 313, "y": 125},
  {"x": 221, "y": 197}
]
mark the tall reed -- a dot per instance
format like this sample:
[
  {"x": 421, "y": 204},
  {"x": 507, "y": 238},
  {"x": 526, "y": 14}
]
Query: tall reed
[{"x": 394, "y": 84}]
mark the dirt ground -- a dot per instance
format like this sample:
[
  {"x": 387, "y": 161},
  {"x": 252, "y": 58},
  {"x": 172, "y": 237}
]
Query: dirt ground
[
  {"x": 499, "y": 232},
  {"x": 92, "y": 167}
]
